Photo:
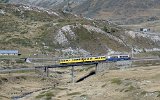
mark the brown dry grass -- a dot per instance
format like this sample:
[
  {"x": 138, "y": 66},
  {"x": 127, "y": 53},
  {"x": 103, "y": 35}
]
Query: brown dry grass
[
  {"x": 140, "y": 83},
  {"x": 132, "y": 84}
]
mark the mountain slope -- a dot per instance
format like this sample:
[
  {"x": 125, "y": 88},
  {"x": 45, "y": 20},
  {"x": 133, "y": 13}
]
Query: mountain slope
[
  {"x": 37, "y": 30},
  {"x": 119, "y": 11},
  {"x": 124, "y": 11}
]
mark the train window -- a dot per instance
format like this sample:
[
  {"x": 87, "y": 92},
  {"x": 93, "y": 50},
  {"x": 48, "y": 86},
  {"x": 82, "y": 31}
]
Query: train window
[
  {"x": 114, "y": 56},
  {"x": 123, "y": 56}
]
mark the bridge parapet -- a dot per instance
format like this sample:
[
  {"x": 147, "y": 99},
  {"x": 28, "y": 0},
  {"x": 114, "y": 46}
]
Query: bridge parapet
[{"x": 103, "y": 66}]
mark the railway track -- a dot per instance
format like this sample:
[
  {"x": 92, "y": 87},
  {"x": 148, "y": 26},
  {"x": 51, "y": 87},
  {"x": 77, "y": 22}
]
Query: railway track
[{"x": 59, "y": 66}]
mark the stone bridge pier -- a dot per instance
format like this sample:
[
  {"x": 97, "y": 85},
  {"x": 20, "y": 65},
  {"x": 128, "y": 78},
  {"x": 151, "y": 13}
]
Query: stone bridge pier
[{"x": 103, "y": 66}]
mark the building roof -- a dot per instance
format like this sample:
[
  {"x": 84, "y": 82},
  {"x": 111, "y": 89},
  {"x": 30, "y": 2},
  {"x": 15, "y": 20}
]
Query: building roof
[{"x": 8, "y": 51}]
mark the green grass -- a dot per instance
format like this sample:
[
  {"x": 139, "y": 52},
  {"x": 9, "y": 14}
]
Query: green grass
[
  {"x": 158, "y": 93},
  {"x": 143, "y": 93},
  {"x": 47, "y": 95},
  {"x": 116, "y": 81},
  {"x": 84, "y": 97},
  {"x": 23, "y": 42},
  {"x": 4, "y": 79},
  {"x": 9, "y": 26},
  {"x": 61, "y": 88},
  {"x": 130, "y": 88}
]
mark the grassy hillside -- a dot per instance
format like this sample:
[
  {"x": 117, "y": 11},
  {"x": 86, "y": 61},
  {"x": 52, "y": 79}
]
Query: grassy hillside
[{"x": 35, "y": 30}]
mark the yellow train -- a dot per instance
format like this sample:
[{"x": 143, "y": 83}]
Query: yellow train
[{"x": 82, "y": 60}]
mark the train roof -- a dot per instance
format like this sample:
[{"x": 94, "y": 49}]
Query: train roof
[
  {"x": 119, "y": 55},
  {"x": 81, "y": 57}
]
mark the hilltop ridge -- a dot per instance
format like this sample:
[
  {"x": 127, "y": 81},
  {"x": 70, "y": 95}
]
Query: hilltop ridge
[{"x": 118, "y": 11}]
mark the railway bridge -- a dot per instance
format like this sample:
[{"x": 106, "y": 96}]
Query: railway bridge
[
  {"x": 46, "y": 68},
  {"x": 99, "y": 66}
]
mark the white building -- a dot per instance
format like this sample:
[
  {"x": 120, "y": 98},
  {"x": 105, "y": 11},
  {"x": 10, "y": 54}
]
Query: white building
[{"x": 9, "y": 52}]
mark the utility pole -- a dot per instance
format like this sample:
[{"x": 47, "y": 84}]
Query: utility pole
[{"x": 132, "y": 52}]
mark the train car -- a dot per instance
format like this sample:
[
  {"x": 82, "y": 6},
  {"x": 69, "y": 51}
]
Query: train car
[
  {"x": 82, "y": 60},
  {"x": 71, "y": 61},
  {"x": 118, "y": 58},
  {"x": 94, "y": 59}
]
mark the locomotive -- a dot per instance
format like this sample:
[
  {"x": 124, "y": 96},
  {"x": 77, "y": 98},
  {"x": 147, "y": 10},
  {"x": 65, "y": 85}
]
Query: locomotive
[{"x": 115, "y": 58}]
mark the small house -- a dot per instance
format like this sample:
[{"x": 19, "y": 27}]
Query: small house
[
  {"x": 144, "y": 29},
  {"x": 9, "y": 52}
]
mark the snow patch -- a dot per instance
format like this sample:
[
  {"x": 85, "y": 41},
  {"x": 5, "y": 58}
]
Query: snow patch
[
  {"x": 67, "y": 29},
  {"x": 138, "y": 50},
  {"x": 92, "y": 28},
  {"x": 2, "y": 12},
  {"x": 150, "y": 36},
  {"x": 75, "y": 52},
  {"x": 132, "y": 34},
  {"x": 88, "y": 18},
  {"x": 60, "y": 38},
  {"x": 38, "y": 9},
  {"x": 48, "y": 11},
  {"x": 154, "y": 49},
  {"x": 98, "y": 30},
  {"x": 54, "y": 24}
]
